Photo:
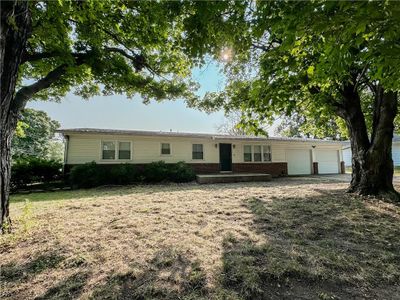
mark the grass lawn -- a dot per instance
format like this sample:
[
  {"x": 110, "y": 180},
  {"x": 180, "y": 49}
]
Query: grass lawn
[{"x": 291, "y": 238}]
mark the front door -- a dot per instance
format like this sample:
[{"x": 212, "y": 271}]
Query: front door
[{"x": 225, "y": 157}]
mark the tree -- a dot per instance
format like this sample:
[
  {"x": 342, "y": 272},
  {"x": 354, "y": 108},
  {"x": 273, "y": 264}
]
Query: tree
[
  {"x": 319, "y": 57},
  {"x": 232, "y": 124},
  {"x": 292, "y": 126},
  {"x": 298, "y": 125},
  {"x": 50, "y": 47},
  {"x": 56, "y": 149},
  {"x": 37, "y": 136}
]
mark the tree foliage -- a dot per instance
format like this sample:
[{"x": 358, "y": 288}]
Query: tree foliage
[
  {"x": 127, "y": 47},
  {"x": 293, "y": 57},
  {"x": 232, "y": 124},
  {"x": 36, "y": 136},
  {"x": 298, "y": 125},
  {"x": 321, "y": 60}
]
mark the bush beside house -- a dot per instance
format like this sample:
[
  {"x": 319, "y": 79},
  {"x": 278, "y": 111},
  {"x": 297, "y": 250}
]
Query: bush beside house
[
  {"x": 29, "y": 170},
  {"x": 91, "y": 174}
]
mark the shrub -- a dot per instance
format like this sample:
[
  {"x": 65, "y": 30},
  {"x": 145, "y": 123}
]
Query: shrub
[
  {"x": 30, "y": 170},
  {"x": 91, "y": 174},
  {"x": 181, "y": 172},
  {"x": 123, "y": 174},
  {"x": 156, "y": 171},
  {"x": 87, "y": 175}
]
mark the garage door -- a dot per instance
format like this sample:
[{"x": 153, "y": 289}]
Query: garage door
[
  {"x": 299, "y": 162},
  {"x": 328, "y": 162}
]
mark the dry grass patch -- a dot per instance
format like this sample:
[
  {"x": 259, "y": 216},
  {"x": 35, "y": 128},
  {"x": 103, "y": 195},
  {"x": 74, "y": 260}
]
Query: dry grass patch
[{"x": 187, "y": 241}]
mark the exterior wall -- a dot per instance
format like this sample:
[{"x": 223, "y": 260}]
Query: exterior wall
[
  {"x": 395, "y": 155},
  {"x": 275, "y": 169},
  {"x": 347, "y": 157},
  {"x": 86, "y": 148},
  {"x": 83, "y": 148}
]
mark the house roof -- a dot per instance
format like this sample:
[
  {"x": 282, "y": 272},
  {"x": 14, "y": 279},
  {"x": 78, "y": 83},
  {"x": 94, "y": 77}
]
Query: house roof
[{"x": 68, "y": 131}]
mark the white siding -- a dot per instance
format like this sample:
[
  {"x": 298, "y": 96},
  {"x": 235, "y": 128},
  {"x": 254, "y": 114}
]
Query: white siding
[
  {"x": 396, "y": 154},
  {"x": 347, "y": 157},
  {"x": 84, "y": 148}
]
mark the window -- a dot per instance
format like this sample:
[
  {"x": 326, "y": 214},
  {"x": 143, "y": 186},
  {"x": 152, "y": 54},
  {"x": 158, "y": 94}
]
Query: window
[
  {"x": 165, "y": 148},
  {"x": 108, "y": 149},
  {"x": 124, "y": 150},
  {"x": 257, "y": 153},
  {"x": 247, "y": 153},
  {"x": 267, "y": 153},
  {"x": 197, "y": 151}
]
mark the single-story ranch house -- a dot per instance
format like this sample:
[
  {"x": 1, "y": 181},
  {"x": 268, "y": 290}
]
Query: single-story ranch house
[{"x": 206, "y": 153}]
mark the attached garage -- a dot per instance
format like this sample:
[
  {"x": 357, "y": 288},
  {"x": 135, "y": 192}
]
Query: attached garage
[
  {"x": 299, "y": 161},
  {"x": 328, "y": 161}
]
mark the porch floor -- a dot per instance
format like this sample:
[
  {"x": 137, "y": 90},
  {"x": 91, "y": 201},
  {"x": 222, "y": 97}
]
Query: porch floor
[{"x": 232, "y": 177}]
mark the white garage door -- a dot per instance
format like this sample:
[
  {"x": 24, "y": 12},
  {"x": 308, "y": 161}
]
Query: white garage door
[
  {"x": 299, "y": 162},
  {"x": 327, "y": 161}
]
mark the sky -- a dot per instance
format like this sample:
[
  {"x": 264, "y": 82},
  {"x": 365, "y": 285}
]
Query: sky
[{"x": 119, "y": 112}]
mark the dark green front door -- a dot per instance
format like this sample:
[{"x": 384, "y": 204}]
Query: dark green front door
[{"x": 225, "y": 157}]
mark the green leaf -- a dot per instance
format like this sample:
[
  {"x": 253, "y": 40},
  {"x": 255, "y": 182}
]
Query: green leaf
[{"x": 310, "y": 71}]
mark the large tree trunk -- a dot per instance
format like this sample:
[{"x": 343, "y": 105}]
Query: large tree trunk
[
  {"x": 377, "y": 176},
  {"x": 372, "y": 162},
  {"x": 14, "y": 32}
]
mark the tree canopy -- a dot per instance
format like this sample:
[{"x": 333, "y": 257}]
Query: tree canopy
[
  {"x": 302, "y": 125},
  {"x": 36, "y": 136},
  {"x": 127, "y": 47},
  {"x": 293, "y": 57},
  {"x": 322, "y": 60}
]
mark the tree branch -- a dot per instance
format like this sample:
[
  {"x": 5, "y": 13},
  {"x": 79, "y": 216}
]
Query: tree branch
[
  {"x": 268, "y": 47},
  {"x": 360, "y": 76},
  {"x": 38, "y": 55},
  {"x": 26, "y": 92},
  {"x": 137, "y": 59},
  {"x": 29, "y": 57}
]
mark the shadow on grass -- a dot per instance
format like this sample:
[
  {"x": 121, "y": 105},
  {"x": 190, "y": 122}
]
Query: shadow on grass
[
  {"x": 324, "y": 247},
  {"x": 170, "y": 275},
  {"x": 70, "y": 288},
  {"x": 164, "y": 187},
  {"x": 13, "y": 272}
]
